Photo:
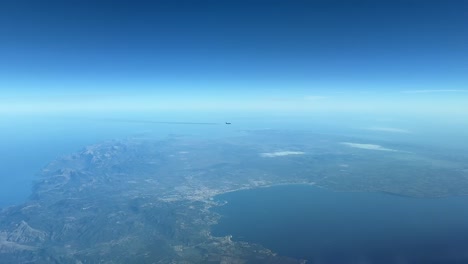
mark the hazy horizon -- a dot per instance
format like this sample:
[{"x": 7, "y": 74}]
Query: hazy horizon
[{"x": 121, "y": 121}]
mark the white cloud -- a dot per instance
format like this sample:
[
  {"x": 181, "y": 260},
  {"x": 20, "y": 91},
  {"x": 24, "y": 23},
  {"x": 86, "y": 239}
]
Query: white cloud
[
  {"x": 367, "y": 146},
  {"x": 435, "y": 91},
  {"x": 389, "y": 129},
  {"x": 280, "y": 153}
]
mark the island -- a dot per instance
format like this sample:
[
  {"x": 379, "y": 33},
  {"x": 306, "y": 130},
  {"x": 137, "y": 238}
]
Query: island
[{"x": 146, "y": 200}]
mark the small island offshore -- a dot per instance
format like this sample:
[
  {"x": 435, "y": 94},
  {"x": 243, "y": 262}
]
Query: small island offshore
[{"x": 144, "y": 200}]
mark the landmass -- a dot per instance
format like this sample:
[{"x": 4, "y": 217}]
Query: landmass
[{"x": 144, "y": 200}]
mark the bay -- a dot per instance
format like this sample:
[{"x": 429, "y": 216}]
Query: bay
[{"x": 323, "y": 226}]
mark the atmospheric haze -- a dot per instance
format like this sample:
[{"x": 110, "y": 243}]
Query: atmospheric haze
[{"x": 128, "y": 130}]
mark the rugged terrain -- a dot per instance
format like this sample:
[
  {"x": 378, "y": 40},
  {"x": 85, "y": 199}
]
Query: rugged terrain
[{"x": 148, "y": 201}]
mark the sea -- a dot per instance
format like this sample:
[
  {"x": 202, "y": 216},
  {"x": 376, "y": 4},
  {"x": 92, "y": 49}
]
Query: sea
[
  {"x": 323, "y": 226},
  {"x": 28, "y": 144}
]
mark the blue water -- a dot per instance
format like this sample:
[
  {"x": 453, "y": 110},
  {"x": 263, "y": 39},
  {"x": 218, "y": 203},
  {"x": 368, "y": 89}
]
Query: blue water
[
  {"x": 323, "y": 226},
  {"x": 28, "y": 144}
]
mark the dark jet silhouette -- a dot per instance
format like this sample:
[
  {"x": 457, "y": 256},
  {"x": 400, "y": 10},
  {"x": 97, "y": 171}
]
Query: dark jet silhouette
[{"x": 228, "y": 123}]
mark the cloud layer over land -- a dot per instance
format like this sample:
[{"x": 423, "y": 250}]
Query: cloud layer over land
[
  {"x": 367, "y": 146},
  {"x": 280, "y": 153}
]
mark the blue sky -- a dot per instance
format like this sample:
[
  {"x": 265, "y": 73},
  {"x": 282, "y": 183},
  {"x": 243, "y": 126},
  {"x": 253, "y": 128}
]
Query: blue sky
[
  {"x": 378, "y": 67},
  {"x": 87, "y": 56}
]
